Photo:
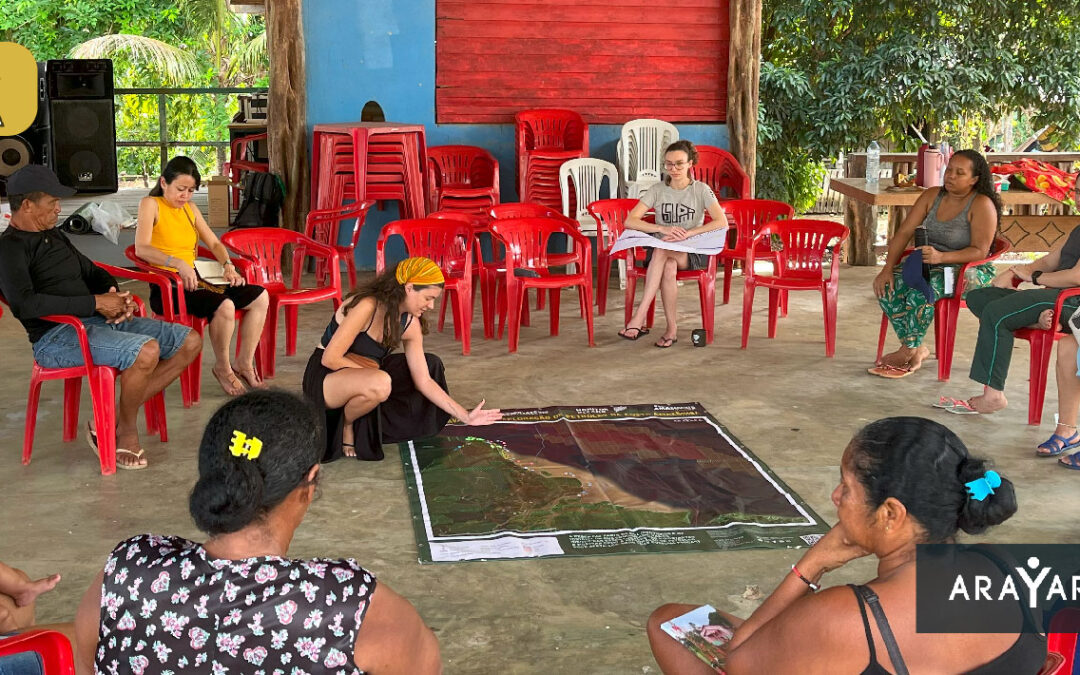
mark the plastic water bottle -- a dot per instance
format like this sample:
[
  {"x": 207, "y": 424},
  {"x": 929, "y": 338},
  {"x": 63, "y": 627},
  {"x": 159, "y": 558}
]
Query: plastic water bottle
[{"x": 873, "y": 164}]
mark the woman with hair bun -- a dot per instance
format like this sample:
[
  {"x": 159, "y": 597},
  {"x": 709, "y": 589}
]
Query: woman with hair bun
[
  {"x": 372, "y": 396},
  {"x": 903, "y": 481},
  {"x": 952, "y": 225},
  {"x": 235, "y": 603},
  {"x": 680, "y": 204}
]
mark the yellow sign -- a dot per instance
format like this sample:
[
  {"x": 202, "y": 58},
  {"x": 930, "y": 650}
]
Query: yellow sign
[{"x": 18, "y": 89}]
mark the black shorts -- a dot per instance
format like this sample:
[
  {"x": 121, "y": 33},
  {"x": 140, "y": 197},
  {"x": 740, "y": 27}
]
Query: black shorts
[
  {"x": 696, "y": 261},
  {"x": 203, "y": 303}
]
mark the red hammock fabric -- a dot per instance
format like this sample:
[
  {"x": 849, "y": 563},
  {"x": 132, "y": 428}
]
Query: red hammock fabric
[{"x": 1041, "y": 177}]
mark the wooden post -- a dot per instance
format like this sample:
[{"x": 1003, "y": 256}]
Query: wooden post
[
  {"x": 744, "y": 68},
  {"x": 287, "y": 115}
]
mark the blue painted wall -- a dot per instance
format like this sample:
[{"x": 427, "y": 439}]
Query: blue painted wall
[{"x": 384, "y": 51}]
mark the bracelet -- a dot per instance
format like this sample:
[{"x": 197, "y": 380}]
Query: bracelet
[
  {"x": 168, "y": 262},
  {"x": 813, "y": 587},
  {"x": 228, "y": 264}
]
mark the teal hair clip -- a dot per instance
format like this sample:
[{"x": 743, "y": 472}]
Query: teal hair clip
[{"x": 981, "y": 488}]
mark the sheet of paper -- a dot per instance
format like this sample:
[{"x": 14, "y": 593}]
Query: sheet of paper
[{"x": 501, "y": 547}]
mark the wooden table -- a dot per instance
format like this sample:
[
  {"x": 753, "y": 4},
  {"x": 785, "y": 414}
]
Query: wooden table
[{"x": 860, "y": 214}]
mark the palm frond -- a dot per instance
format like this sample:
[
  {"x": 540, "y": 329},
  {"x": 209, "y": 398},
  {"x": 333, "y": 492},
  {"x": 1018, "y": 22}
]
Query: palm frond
[
  {"x": 176, "y": 65},
  {"x": 249, "y": 59}
]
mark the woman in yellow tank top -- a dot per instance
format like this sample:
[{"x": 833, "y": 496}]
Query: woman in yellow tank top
[{"x": 168, "y": 234}]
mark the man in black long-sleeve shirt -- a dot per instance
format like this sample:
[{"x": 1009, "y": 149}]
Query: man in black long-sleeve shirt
[{"x": 42, "y": 274}]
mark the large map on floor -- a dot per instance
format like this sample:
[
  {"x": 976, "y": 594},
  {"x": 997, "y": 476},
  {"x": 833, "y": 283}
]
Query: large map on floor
[{"x": 598, "y": 480}]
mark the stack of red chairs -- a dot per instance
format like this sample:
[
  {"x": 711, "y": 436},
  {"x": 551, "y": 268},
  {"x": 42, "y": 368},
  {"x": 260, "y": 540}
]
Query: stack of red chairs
[
  {"x": 462, "y": 178},
  {"x": 720, "y": 170},
  {"x": 387, "y": 167},
  {"x": 545, "y": 139}
]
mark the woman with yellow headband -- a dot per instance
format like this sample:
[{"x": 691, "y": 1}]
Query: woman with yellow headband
[{"x": 372, "y": 396}]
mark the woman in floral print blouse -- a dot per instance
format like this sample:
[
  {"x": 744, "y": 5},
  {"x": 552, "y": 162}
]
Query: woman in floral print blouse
[{"x": 235, "y": 603}]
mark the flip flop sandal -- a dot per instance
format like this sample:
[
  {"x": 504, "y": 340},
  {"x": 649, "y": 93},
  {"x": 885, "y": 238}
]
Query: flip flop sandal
[
  {"x": 1071, "y": 461},
  {"x": 91, "y": 438},
  {"x": 1057, "y": 445},
  {"x": 640, "y": 332},
  {"x": 130, "y": 467},
  {"x": 890, "y": 372},
  {"x": 962, "y": 408},
  {"x": 946, "y": 402}
]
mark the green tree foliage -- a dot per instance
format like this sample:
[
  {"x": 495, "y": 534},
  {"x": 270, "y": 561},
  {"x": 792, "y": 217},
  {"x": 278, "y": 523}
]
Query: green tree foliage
[
  {"x": 837, "y": 74},
  {"x": 153, "y": 43}
]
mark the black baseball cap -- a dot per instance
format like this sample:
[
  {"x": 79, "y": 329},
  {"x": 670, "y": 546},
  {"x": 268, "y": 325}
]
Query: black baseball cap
[{"x": 37, "y": 178}]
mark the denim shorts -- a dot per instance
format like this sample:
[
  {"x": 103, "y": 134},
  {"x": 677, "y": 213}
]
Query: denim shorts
[{"x": 116, "y": 345}]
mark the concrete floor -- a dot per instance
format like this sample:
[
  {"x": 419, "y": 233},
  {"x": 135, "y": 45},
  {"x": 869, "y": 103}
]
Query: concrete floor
[{"x": 783, "y": 398}]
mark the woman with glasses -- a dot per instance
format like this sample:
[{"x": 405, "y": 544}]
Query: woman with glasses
[
  {"x": 235, "y": 603},
  {"x": 680, "y": 204}
]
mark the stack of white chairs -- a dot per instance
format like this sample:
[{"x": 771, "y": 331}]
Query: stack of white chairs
[{"x": 640, "y": 154}]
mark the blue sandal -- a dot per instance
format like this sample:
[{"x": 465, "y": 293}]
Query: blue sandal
[
  {"x": 1070, "y": 461},
  {"x": 1056, "y": 445}
]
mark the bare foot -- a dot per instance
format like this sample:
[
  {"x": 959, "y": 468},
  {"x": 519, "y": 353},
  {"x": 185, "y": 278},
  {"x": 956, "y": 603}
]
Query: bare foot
[
  {"x": 920, "y": 354},
  {"x": 898, "y": 359},
  {"x": 228, "y": 381},
  {"x": 128, "y": 450},
  {"x": 35, "y": 588},
  {"x": 990, "y": 402},
  {"x": 251, "y": 377},
  {"x": 348, "y": 448},
  {"x": 1045, "y": 319}
]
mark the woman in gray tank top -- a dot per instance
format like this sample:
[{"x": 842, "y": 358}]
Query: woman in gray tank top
[{"x": 957, "y": 222}]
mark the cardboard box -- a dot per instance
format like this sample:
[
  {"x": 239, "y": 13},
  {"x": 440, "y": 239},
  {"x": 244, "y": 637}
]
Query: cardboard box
[{"x": 217, "y": 189}]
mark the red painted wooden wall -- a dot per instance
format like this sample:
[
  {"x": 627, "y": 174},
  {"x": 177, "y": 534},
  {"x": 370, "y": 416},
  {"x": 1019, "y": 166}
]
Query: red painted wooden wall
[{"x": 612, "y": 60}]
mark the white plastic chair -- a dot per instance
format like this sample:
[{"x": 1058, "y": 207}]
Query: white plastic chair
[
  {"x": 640, "y": 153},
  {"x": 587, "y": 177}
]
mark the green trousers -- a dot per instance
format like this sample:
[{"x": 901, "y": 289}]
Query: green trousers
[
  {"x": 1000, "y": 312},
  {"x": 910, "y": 314}
]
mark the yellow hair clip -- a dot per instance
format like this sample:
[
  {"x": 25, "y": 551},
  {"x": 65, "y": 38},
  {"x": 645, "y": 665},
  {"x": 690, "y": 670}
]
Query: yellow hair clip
[{"x": 244, "y": 446}]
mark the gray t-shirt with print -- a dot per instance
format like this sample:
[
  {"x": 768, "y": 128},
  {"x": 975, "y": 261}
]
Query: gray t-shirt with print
[{"x": 685, "y": 208}]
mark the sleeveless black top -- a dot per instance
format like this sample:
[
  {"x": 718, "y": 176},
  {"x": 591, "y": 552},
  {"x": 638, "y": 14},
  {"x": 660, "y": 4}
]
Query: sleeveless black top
[
  {"x": 1026, "y": 655},
  {"x": 363, "y": 344}
]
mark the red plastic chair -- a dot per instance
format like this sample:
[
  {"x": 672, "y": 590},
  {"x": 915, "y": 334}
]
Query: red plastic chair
[
  {"x": 546, "y": 138},
  {"x": 1042, "y": 345},
  {"x": 264, "y": 247},
  {"x": 52, "y": 646},
  {"x": 176, "y": 312},
  {"x": 237, "y": 164},
  {"x": 462, "y": 178},
  {"x": 323, "y": 226},
  {"x": 526, "y": 241},
  {"x": 610, "y": 216},
  {"x": 102, "y": 381},
  {"x": 946, "y": 313},
  {"x": 533, "y": 210},
  {"x": 1061, "y": 643},
  {"x": 800, "y": 268},
  {"x": 746, "y": 216},
  {"x": 449, "y": 244},
  {"x": 484, "y": 272},
  {"x": 721, "y": 171}
]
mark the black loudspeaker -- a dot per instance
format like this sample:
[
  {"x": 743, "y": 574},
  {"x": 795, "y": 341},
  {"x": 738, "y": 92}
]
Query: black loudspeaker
[
  {"x": 30, "y": 146},
  {"x": 82, "y": 123}
]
